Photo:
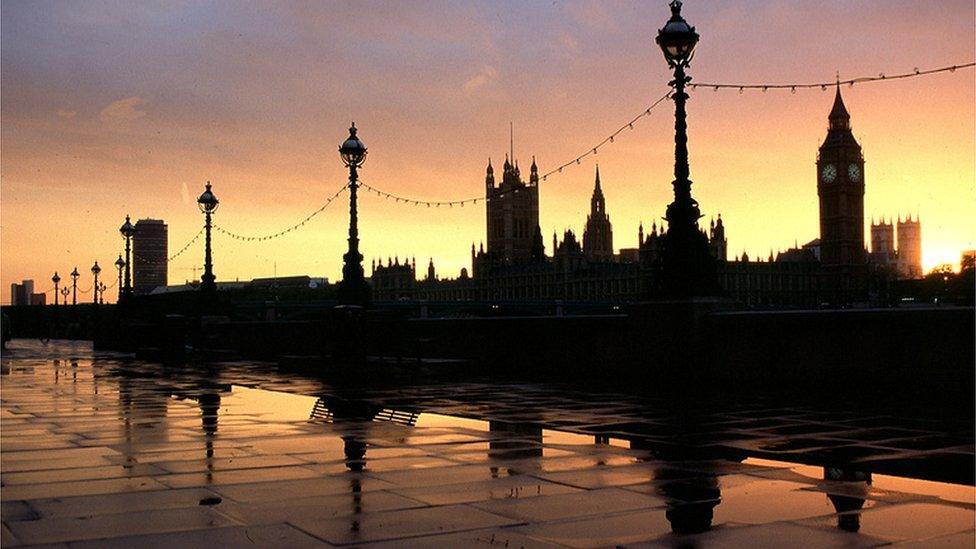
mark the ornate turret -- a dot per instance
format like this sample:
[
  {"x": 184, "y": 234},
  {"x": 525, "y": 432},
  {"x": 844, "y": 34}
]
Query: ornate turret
[
  {"x": 490, "y": 176},
  {"x": 598, "y": 234}
]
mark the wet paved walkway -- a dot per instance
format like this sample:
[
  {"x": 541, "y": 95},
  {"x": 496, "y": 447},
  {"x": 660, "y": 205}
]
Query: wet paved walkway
[{"x": 110, "y": 452}]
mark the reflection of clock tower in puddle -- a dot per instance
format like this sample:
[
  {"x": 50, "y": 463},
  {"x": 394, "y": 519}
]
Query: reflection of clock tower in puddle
[{"x": 840, "y": 185}]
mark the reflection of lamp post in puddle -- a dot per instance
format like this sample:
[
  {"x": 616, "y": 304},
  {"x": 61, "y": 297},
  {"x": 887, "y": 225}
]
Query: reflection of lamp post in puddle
[{"x": 848, "y": 505}]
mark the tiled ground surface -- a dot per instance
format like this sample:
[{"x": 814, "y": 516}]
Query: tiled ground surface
[{"x": 107, "y": 452}]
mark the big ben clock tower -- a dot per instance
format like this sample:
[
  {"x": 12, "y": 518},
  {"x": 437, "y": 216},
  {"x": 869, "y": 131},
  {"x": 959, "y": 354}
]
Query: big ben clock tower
[{"x": 840, "y": 186}]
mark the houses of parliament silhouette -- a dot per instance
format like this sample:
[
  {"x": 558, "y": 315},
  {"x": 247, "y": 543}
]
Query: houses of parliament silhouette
[{"x": 835, "y": 268}]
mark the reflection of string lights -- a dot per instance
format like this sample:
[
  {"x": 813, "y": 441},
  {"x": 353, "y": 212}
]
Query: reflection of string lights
[
  {"x": 294, "y": 227},
  {"x": 824, "y": 85}
]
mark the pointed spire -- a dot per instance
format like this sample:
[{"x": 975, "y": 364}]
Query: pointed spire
[
  {"x": 598, "y": 177},
  {"x": 534, "y": 167},
  {"x": 839, "y": 117},
  {"x": 490, "y": 169}
]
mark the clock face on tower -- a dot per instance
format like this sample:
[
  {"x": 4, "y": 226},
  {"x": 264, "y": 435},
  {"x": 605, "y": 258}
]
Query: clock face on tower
[
  {"x": 829, "y": 173},
  {"x": 854, "y": 173}
]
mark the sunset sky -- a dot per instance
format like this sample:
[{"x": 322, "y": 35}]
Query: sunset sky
[{"x": 115, "y": 108}]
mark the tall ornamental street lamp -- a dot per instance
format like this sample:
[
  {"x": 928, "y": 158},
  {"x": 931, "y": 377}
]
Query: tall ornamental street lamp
[
  {"x": 120, "y": 264},
  {"x": 74, "y": 286},
  {"x": 208, "y": 205},
  {"x": 353, "y": 289},
  {"x": 101, "y": 292},
  {"x": 687, "y": 268},
  {"x": 56, "y": 280},
  {"x": 95, "y": 270},
  {"x": 127, "y": 230},
  {"x": 64, "y": 295}
]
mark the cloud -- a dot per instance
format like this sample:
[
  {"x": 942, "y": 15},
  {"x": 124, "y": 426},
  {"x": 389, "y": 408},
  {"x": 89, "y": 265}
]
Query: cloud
[
  {"x": 123, "y": 111},
  {"x": 484, "y": 77},
  {"x": 66, "y": 114},
  {"x": 568, "y": 42}
]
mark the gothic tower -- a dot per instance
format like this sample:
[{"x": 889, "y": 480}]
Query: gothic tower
[
  {"x": 513, "y": 214},
  {"x": 909, "y": 248},
  {"x": 840, "y": 186},
  {"x": 598, "y": 234}
]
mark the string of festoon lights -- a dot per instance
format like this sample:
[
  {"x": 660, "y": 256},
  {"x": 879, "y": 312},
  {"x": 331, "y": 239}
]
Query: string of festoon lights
[
  {"x": 488, "y": 197},
  {"x": 294, "y": 227},
  {"x": 185, "y": 247},
  {"x": 916, "y": 72},
  {"x": 825, "y": 85}
]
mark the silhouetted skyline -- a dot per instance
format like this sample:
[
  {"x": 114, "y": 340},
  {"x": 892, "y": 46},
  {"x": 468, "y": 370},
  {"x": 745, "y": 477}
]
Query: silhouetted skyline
[{"x": 130, "y": 109}]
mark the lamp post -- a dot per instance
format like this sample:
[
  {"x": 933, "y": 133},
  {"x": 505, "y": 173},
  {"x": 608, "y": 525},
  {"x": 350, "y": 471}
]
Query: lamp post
[
  {"x": 74, "y": 286},
  {"x": 127, "y": 230},
  {"x": 56, "y": 280},
  {"x": 64, "y": 295},
  {"x": 101, "y": 292},
  {"x": 95, "y": 288},
  {"x": 353, "y": 289},
  {"x": 208, "y": 205},
  {"x": 687, "y": 268},
  {"x": 120, "y": 264}
]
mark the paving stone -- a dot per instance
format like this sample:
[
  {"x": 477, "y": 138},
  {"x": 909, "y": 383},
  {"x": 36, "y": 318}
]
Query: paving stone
[
  {"x": 86, "y": 473},
  {"x": 575, "y": 504},
  {"x": 273, "y": 535},
  {"x": 106, "y": 504},
  {"x": 116, "y": 525},
  {"x": 909, "y": 521},
  {"x": 241, "y": 476},
  {"x": 80, "y": 488},
  {"x": 602, "y": 531},
  {"x": 516, "y": 486},
  {"x": 316, "y": 508},
  {"x": 496, "y": 537},
  {"x": 296, "y": 489},
  {"x": 400, "y": 524}
]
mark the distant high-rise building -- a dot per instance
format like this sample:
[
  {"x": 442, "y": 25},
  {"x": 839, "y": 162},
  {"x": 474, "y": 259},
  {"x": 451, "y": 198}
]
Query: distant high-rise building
[
  {"x": 150, "y": 247},
  {"x": 20, "y": 294},
  {"x": 598, "y": 234},
  {"x": 909, "y": 248}
]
